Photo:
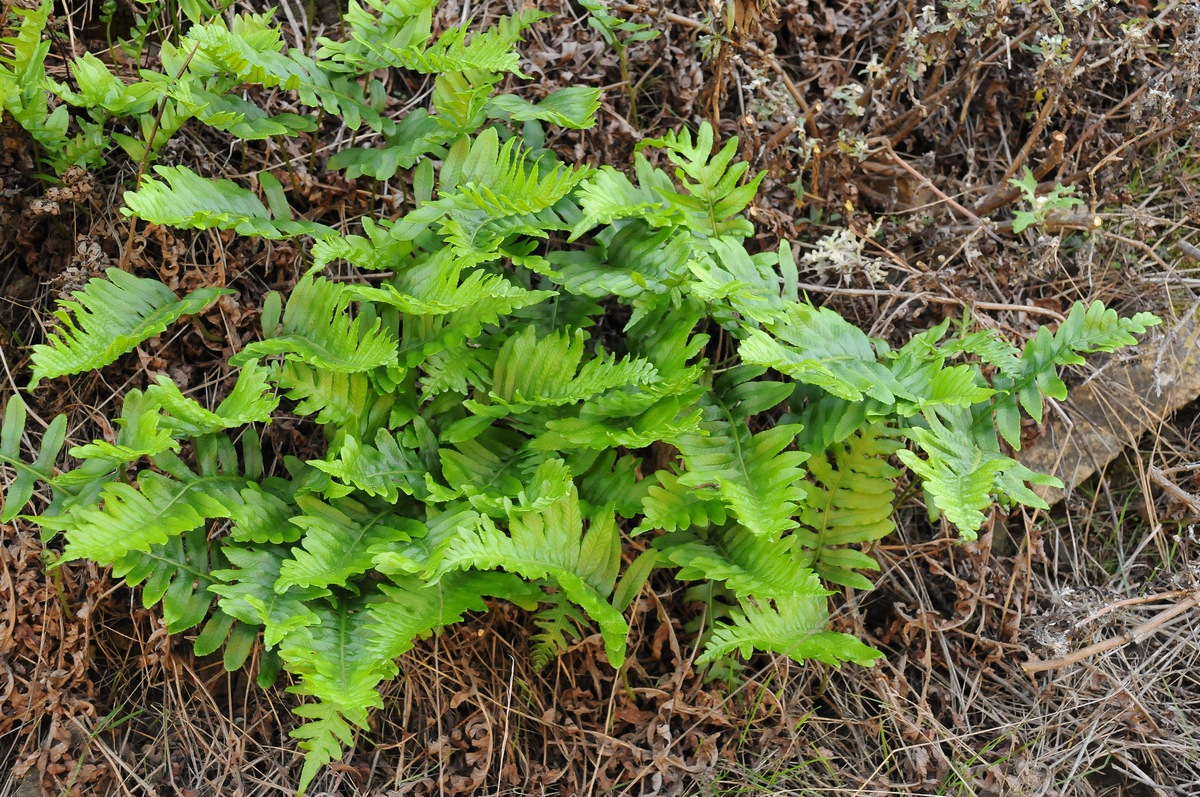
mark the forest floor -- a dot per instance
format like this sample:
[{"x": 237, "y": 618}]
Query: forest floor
[{"x": 889, "y": 132}]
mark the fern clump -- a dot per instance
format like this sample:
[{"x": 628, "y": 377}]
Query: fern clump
[{"x": 485, "y": 423}]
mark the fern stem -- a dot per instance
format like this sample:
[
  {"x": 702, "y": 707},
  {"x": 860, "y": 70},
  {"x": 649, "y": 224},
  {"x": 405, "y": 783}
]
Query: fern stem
[
  {"x": 123, "y": 263},
  {"x": 630, "y": 89}
]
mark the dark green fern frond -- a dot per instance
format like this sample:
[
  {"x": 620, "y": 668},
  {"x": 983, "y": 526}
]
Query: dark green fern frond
[
  {"x": 178, "y": 573},
  {"x": 247, "y": 592},
  {"x": 384, "y": 469},
  {"x": 574, "y": 107},
  {"x": 21, "y": 488},
  {"x": 109, "y": 317},
  {"x": 816, "y": 346},
  {"x": 638, "y": 260},
  {"x": 850, "y": 502}
]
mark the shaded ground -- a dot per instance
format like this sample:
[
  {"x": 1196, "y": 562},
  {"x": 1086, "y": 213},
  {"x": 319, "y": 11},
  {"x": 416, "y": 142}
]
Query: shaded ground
[{"x": 889, "y": 133}]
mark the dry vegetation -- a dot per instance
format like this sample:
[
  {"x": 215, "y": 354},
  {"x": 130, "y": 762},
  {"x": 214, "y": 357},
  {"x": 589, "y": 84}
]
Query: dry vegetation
[{"x": 889, "y": 131}]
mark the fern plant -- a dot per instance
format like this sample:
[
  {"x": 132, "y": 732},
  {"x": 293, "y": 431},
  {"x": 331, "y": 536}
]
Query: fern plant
[{"x": 487, "y": 424}]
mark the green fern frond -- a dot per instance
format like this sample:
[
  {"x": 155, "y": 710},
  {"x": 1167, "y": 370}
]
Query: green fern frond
[
  {"x": 109, "y": 317},
  {"x": 139, "y": 433},
  {"x": 137, "y": 519},
  {"x": 551, "y": 371},
  {"x": 713, "y": 199},
  {"x": 23, "y": 84},
  {"x": 433, "y": 292},
  {"x": 318, "y": 331},
  {"x": 754, "y": 474},
  {"x": 252, "y": 400},
  {"x": 21, "y": 488},
  {"x": 603, "y": 479},
  {"x": 461, "y": 311},
  {"x": 574, "y": 107},
  {"x": 247, "y": 592},
  {"x": 818, "y": 347},
  {"x": 672, "y": 506},
  {"x": 500, "y": 180},
  {"x": 608, "y": 195},
  {"x": 457, "y": 371},
  {"x": 250, "y": 50},
  {"x": 337, "y": 668},
  {"x": 337, "y": 542},
  {"x": 638, "y": 260},
  {"x": 990, "y": 348},
  {"x": 961, "y": 472},
  {"x": 489, "y": 51},
  {"x": 498, "y": 487},
  {"x": 262, "y": 516},
  {"x": 747, "y": 284},
  {"x": 1088, "y": 329},
  {"x": 236, "y": 116},
  {"x": 559, "y": 622},
  {"x": 668, "y": 419},
  {"x": 188, "y": 201},
  {"x": 551, "y": 545},
  {"x": 322, "y": 739},
  {"x": 384, "y": 469},
  {"x": 460, "y": 100},
  {"x": 490, "y": 191},
  {"x": 793, "y": 627},
  {"x": 485, "y": 469},
  {"x": 178, "y": 573},
  {"x": 745, "y": 563},
  {"x": 850, "y": 502},
  {"x": 417, "y": 135},
  {"x": 414, "y": 608},
  {"x": 333, "y": 397}
]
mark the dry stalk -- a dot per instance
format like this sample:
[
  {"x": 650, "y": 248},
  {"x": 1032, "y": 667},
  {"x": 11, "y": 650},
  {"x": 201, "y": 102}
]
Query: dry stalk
[{"x": 1158, "y": 622}]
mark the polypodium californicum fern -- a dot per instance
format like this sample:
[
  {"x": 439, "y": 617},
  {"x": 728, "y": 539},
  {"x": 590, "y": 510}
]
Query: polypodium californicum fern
[{"x": 485, "y": 419}]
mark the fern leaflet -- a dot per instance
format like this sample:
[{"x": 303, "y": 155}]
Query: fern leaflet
[{"x": 109, "y": 317}]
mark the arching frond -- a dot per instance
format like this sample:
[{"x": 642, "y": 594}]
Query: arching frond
[
  {"x": 791, "y": 626},
  {"x": 318, "y": 331},
  {"x": 742, "y": 561},
  {"x": 551, "y": 545},
  {"x": 109, "y": 317}
]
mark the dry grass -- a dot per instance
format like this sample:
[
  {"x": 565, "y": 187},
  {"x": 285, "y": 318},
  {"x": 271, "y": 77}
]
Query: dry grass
[{"x": 96, "y": 699}]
